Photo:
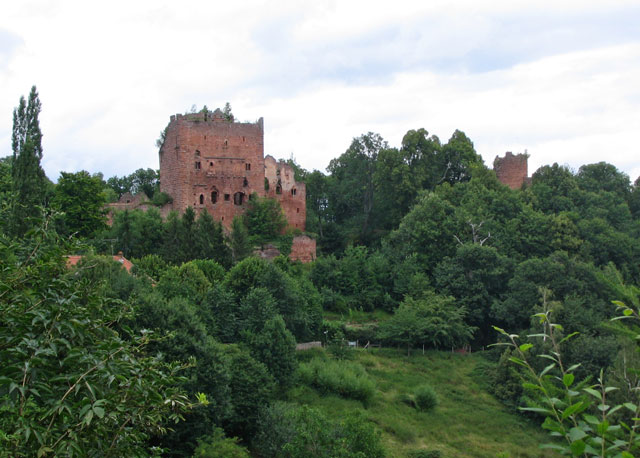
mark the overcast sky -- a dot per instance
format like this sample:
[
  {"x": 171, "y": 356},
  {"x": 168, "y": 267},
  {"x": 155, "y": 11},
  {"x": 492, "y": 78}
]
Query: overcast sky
[{"x": 560, "y": 79}]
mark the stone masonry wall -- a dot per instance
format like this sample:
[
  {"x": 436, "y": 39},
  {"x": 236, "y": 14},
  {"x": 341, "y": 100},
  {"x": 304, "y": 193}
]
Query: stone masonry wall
[
  {"x": 303, "y": 249},
  {"x": 212, "y": 164},
  {"x": 283, "y": 187},
  {"x": 512, "y": 170}
]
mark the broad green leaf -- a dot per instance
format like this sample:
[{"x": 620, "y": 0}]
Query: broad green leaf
[
  {"x": 571, "y": 410},
  {"x": 568, "y": 379},
  {"x": 594, "y": 393},
  {"x": 525, "y": 347},
  {"x": 577, "y": 447},
  {"x": 573, "y": 334},
  {"x": 576, "y": 434},
  {"x": 547, "y": 369},
  {"x": 591, "y": 419}
]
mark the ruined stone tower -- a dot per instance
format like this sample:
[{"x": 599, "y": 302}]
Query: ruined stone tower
[
  {"x": 512, "y": 170},
  {"x": 212, "y": 163}
]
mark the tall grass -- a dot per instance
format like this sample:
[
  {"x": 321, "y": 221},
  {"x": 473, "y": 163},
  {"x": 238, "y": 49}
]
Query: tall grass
[{"x": 344, "y": 378}]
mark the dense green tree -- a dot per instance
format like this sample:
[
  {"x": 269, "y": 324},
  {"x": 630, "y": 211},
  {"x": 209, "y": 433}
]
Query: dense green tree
[
  {"x": 432, "y": 320},
  {"x": 29, "y": 181},
  {"x": 79, "y": 196},
  {"x": 264, "y": 218},
  {"x": 251, "y": 389},
  {"x": 352, "y": 186},
  {"x": 209, "y": 240},
  {"x": 427, "y": 230},
  {"x": 476, "y": 276},
  {"x": 217, "y": 445},
  {"x": 73, "y": 381},
  {"x": 604, "y": 177},
  {"x": 303, "y": 432},
  {"x": 240, "y": 245},
  {"x": 142, "y": 180},
  {"x": 274, "y": 346}
]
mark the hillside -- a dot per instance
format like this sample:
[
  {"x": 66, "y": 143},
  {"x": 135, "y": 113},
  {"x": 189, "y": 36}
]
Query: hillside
[{"x": 467, "y": 422}]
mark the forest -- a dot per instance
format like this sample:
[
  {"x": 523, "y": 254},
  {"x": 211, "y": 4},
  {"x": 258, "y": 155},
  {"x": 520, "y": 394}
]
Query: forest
[{"x": 420, "y": 247}]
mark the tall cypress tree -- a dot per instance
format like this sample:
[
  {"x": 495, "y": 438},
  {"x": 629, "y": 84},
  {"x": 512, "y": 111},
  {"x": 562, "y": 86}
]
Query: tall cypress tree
[{"x": 29, "y": 181}]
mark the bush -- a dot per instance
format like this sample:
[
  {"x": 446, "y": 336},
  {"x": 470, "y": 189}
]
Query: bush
[
  {"x": 425, "y": 398},
  {"x": 285, "y": 430},
  {"x": 343, "y": 378},
  {"x": 219, "y": 446}
]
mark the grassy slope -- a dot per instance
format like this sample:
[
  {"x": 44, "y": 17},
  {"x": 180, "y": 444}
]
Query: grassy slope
[{"x": 468, "y": 422}]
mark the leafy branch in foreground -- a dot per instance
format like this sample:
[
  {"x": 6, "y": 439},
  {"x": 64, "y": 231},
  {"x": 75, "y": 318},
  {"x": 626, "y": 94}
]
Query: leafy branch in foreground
[
  {"x": 579, "y": 415},
  {"x": 73, "y": 380}
]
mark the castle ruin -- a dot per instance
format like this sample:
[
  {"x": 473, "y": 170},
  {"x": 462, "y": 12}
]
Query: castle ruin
[
  {"x": 512, "y": 170},
  {"x": 212, "y": 163}
]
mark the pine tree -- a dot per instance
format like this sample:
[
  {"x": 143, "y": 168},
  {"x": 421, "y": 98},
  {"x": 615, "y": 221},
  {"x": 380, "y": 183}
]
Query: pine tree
[{"x": 29, "y": 180}]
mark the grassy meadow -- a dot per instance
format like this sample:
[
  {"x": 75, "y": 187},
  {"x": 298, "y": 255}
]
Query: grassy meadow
[{"x": 467, "y": 421}]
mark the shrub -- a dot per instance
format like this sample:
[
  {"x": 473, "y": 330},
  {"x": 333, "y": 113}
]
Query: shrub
[
  {"x": 285, "y": 430},
  {"x": 219, "y": 446},
  {"x": 343, "y": 378},
  {"x": 425, "y": 398}
]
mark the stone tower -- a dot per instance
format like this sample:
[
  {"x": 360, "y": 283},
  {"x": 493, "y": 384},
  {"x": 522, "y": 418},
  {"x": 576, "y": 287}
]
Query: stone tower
[
  {"x": 212, "y": 163},
  {"x": 512, "y": 170}
]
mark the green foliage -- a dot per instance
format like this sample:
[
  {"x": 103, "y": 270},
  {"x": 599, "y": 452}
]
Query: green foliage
[
  {"x": 240, "y": 245},
  {"x": 432, "y": 320},
  {"x": 303, "y": 432},
  {"x": 81, "y": 198},
  {"x": 425, "y": 397},
  {"x": 70, "y": 384},
  {"x": 219, "y": 446},
  {"x": 160, "y": 199},
  {"x": 343, "y": 378},
  {"x": 475, "y": 276},
  {"x": 581, "y": 416},
  {"x": 275, "y": 347},
  {"x": 251, "y": 389},
  {"x": 29, "y": 181},
  {"x": 142, "y": 180},
  {"x": 186, "y": 281},
  {"x": 264, "y": 218},
  {"x": 151, "y": 265}
]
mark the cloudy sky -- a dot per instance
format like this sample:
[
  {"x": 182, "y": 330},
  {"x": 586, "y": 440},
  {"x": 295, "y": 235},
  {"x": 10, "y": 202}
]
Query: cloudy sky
[{"x": 559, "y": 79}]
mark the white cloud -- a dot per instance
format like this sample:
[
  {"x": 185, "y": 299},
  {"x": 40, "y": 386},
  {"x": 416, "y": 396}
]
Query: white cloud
[{"x": 556, "y": 78}]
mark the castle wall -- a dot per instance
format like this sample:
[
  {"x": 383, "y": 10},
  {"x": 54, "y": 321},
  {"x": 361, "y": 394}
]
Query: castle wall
[
  {"x": 303, "y": 249},
  {"x": 512, "y": 170},
  {"x": 283, "y": 187}
]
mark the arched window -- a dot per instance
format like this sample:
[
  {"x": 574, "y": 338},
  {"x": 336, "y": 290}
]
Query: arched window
[
  {"x": 214, "y": 196},
  {"x": 245, "y": 182},
  {"x": 201, "y": 199},
  {"x": 293, "y": 191},
  {"x": 238, "y": 198}
]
